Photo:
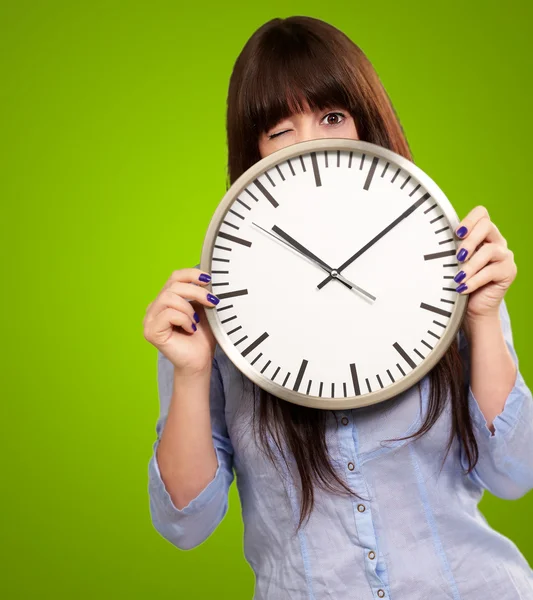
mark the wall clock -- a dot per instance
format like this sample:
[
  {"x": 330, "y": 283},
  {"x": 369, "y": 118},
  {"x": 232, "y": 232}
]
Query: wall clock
[{"x": 334, "y": 260}]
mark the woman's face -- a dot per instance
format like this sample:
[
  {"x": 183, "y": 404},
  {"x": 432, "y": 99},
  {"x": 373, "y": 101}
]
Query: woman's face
[{"x": 309, "y": 125}]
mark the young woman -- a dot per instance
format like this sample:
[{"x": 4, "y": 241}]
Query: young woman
[{"x": 332, "y": 509}]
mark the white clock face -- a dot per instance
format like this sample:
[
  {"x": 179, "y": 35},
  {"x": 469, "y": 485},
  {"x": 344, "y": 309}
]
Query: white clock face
[{"x": 390, "y": 310}]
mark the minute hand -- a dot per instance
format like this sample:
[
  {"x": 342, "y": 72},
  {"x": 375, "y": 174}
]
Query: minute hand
[{"x": 405, "y": 214}]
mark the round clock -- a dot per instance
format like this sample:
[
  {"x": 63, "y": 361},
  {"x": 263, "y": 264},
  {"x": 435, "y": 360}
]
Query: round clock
[{"x": 333, "y": 260}]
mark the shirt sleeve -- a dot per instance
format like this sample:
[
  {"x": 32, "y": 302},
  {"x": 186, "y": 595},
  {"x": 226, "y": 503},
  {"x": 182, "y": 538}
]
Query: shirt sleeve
[
  {"x": 505, "y": 464},
  {"x": 191, "y": 525}
]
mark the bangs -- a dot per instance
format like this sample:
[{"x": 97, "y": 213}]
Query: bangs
[{"x": 291, "y": 70}]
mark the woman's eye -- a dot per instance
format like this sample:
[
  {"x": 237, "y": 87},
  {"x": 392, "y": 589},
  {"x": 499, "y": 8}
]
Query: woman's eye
[
  {"x": 273, "y": 135},
  {"x": 337, "y": 115}
]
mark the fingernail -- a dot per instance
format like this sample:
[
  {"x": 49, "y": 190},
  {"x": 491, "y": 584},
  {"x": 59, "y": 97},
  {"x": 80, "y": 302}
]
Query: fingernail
[
  {"x": 459, "y": 277},
  {"x": 461, "y": 288},
  {"x": 205, "y": 278},
  {"x": 461, "y": 255},
  {"x": 462, "y": 231},
  {"x": 212, "y": 299},
  {"x": 194, "y": 328},
  {"x": 196, "y": 317}
]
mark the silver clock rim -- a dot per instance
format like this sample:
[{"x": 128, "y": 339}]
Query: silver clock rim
[{"x": 231, "y": 351}]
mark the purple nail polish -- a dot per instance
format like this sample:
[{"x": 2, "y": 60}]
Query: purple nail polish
[
  {"x": 461, "y": 288},
  {"x": 194, "y": 328},
  {"x": 204, "y": 278},
  {"x": 459, "y": 277},
  {"x": 196, "y": 317},
  {"x": 462, "y": 231},
  {"x": 461, "y": 255},
  {"x": 213, "y": 299}
]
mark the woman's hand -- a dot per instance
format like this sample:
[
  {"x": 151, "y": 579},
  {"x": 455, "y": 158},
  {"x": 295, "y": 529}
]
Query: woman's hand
[
  {"x": 179, "y": 328},
  {"x": 487, "y": 266}
]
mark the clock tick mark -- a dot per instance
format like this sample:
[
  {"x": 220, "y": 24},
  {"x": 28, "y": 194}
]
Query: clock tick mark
[
  {"x": 291, "y": 167},
  {"x": 286, "y": 379},
  {"x": 390, "y": 375},
  {"x": 234, "y": 238},
  {"x": 232, "y": 294},
  {"x": 309, "y": 386},
  {"x": 241, "y": 340},
  {"x": 234, "y": 212},
  {"x": 419, "y": 354},
  {"x": 243, "y": 203},
  {"x": 316, "y": 172},
  {"x": 435, "y": 309},
  {"x": 254, "y": 344},
  {"x": 224, "y": 308},
  {"x": 274, "y": 376},
  {"x": 379, "y": 381},
  {"x": 433, "y": 334},
  {"x": 320, "y": 389},
  {"x": 416, "y": 188},
  {"x": 426, "y": 344},
  {"x": 228, "y": 319},
  {"x": 300, "y": 375},
  {"x": 385, "y": 169},
  {"x": 280, "y": 173},
  {"x": 234, "y": 330},
  {"x": 405, "y": 182},
  {"x": 368, "y": 385},
  {"x": 400, "y": 369},
  {"x": 430, "y": 208},
  {"x": 230, "y": 225},
  {"x": 355, "y": 379},
  {"x": 395, "y": 175},
  {"x": 223, "y": 248},
  {"x": 439, "y": 324},
  {"x": 437, "y": 219},
  {"x": 265, "y": 367},
  {"x": 266, "y": 193},
  {"x": 270, "y": 179},
  {"x": 442, "y": 254},
  {"x": 257, "y": 358},
  {"x": 446, "y": 241},
  {"x": 404, "y": 355},
  {"x": 371, "y": 172}
]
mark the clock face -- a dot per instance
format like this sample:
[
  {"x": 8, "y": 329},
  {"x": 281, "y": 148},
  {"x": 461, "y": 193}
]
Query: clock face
[{"x": 334, "y": 261}]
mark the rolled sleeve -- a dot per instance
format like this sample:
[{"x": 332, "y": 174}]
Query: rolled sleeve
[
  {"x": 191, "y": 525},
  {"x": 505, "y": 464}
]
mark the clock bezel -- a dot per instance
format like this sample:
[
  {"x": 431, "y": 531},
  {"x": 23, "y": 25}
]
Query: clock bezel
[{"x": 241, "y": 363}]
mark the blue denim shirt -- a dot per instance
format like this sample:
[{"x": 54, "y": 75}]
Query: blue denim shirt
[{"x": 417, "y": 535}]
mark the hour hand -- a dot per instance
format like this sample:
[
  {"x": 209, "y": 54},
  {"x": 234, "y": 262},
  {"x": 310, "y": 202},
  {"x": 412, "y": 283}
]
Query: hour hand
[{"x": 295, "y": 245}]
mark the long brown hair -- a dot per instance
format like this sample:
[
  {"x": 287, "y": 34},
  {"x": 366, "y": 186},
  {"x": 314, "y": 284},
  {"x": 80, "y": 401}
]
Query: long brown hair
[{"x": 285, "y": 63}]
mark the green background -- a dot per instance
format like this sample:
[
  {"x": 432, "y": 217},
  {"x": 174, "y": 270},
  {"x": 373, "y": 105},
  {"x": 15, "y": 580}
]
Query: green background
[{"x": 112, "y": 114}]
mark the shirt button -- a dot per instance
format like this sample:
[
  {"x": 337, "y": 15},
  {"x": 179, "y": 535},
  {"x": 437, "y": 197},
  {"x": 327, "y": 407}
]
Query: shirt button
[
  {"x": 361, "y": 507},
  {"x": 351, "y": 466},
  {"x": 371, "y": 555},
  {"x": 344, "y": 420},
  {"x": 381, "y": 593}
]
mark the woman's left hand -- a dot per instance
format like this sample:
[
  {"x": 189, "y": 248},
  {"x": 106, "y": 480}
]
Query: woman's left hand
[{"x": 486, "y": 265}]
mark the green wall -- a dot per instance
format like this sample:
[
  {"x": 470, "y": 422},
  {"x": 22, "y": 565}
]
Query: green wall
[{"x": 112, "y": 113}]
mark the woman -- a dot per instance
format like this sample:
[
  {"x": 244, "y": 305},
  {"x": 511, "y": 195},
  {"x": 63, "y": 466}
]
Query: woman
[{"x": 333, "y": 509}]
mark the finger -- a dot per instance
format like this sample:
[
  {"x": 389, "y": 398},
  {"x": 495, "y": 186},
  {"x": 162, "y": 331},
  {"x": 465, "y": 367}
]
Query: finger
[
  {"x": 486, "y": 254},
  {"x": 167, "y": 298},
  {"x": 194, "y": 292},
  {"x": 191, "y": 275},
  {"x": 173, "y": 317},
  {"x": 495, "y": 272},
  {"x": 484, "y": 231},
  {"x": 467, "y": 224}
]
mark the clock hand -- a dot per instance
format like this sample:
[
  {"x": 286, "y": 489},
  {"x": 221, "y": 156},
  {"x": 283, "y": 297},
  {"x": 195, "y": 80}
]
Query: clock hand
[
  {"x": 405, "y": 214},
  {"x": 294, "y": 245}
]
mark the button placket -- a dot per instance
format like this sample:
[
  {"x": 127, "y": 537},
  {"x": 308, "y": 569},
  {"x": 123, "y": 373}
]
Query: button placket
[{"x": 362, "y": 509}]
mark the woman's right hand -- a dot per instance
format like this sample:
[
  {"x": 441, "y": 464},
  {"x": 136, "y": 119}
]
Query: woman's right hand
[{"x": 179, "y": 328}]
